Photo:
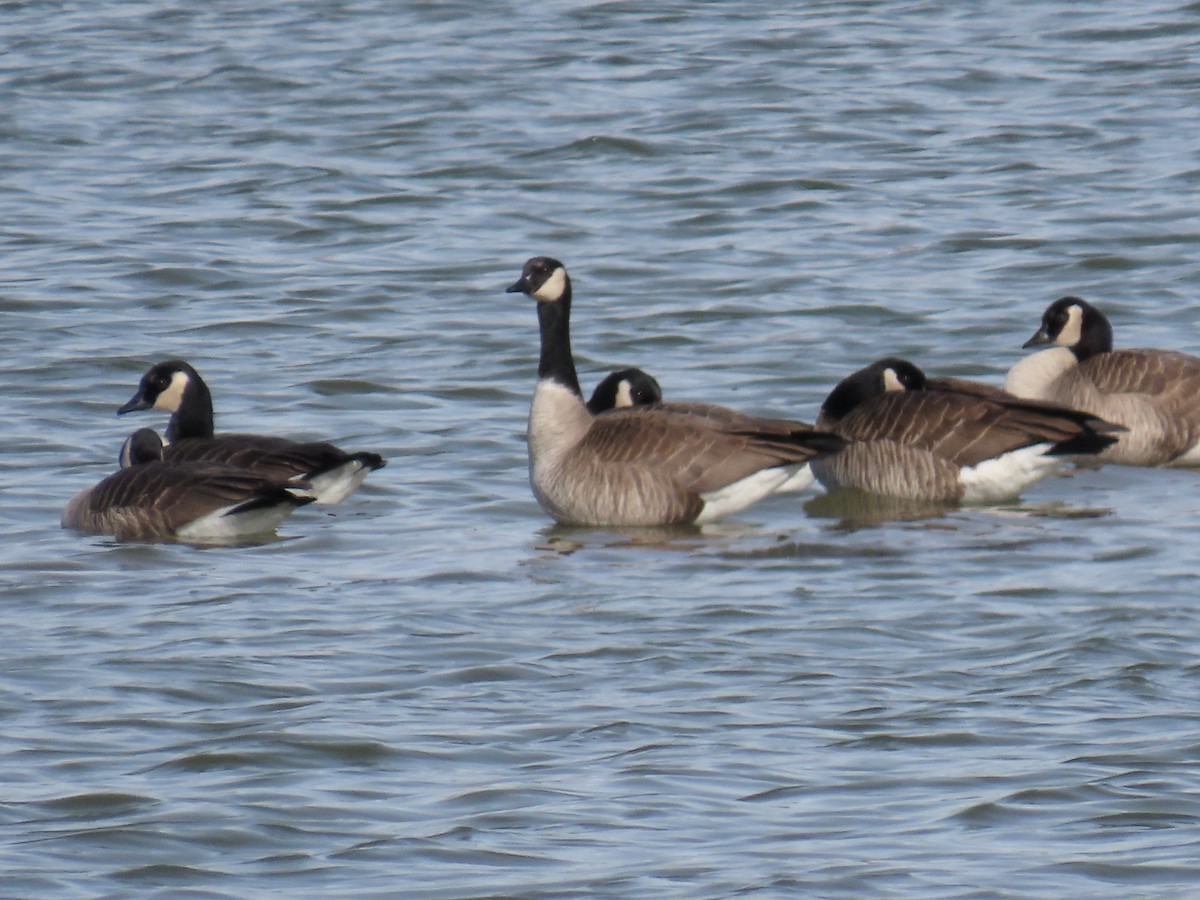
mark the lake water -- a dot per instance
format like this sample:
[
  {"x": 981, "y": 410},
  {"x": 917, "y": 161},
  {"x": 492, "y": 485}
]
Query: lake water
[{"x": 433, "y": 691}]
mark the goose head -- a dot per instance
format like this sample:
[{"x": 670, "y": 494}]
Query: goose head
[
  {"x": 626, "y": 387},
  {"x": 884, "y": 376},
  {"x": 1075, "y": 324},
  {"x": 163, "y": 387},
  {"x": 143, "y": 446},
  {"x": 544, "y": 279}
]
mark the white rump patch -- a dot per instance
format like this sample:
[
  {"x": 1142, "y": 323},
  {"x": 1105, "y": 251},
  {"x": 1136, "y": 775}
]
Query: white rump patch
[
  {"x": 170, "y": 399},
  {"x": 224, "y": 525},
  {"x": 552, "y": 288},
  {"x": 337, "y": 484},
  {"x": 1004, "y": 477},
  {"x": 1190, "y": 458},
  {"x": 801, "y": 479},
  {"x": 737, "y": 496}
]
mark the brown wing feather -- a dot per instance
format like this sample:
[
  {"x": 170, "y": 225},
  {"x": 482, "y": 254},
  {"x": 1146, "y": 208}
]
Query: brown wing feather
[
  {"x": 156, "y": 499},
  {"x": 274, "y": 457},
  {"x": 963, "y": 429},
  {"x": 1174, "y": 378},
  {"x": 700, "y": 449}
]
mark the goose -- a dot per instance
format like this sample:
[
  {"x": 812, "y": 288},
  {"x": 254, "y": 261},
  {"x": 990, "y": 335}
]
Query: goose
[
  {"x": 946, "y": 440},
  {"x": 625, "y": 387},
  {"x": 643, "y": 465},
  {"x": 175, "y": 387},
  {"x": 197, "y": 502},
  {"x": 633, "y": 387},
  {"x": 1154, "y": 394}
]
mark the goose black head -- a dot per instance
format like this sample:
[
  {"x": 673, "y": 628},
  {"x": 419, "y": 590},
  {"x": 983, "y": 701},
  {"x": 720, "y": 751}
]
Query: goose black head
[
  {"x": 884, "y": 376},
  {"x": 143, "y": 446},
  {"x": 544, "y": 279},
  {"x": 162, "y": 387},
  {"x": 626, "y": 387},
  {"x": 1075, "y": 324}
]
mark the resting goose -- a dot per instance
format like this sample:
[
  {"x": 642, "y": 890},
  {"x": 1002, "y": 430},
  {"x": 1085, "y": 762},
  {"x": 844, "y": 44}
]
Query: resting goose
[
  {"x": 1154, "y": 394},
  {"x": 945, "y": 440},
  {"x": 175, "y": 387},
  {"x": 149, "y": 499},
  {"x": 642, "y": 465},
  {"x": 625, "y": 387},
  {"x": 633, "y": 387}
]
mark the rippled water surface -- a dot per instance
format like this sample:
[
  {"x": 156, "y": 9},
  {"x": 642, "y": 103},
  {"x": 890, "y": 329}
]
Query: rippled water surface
[{"x": 431, "y": 690}]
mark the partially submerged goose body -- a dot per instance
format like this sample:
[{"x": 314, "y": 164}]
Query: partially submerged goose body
[
  {"x": 149, "y": 499},
  {"x": 1153, "y": 394},
  {"x": 946, "y": 440}
]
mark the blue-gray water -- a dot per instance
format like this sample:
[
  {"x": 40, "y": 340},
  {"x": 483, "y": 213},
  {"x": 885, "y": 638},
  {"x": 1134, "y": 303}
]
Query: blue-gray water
[{"x": 430, "y": 690}]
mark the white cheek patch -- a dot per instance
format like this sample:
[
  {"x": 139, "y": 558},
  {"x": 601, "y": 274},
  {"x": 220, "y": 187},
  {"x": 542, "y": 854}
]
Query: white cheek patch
[
  {"x": 624, "y": 395},
  {"x": 552, "y": 288},
  {"x": 1073, "y": 330},
  {"x": 890, "y": 382},
  {"x": 170, "y": 399}
]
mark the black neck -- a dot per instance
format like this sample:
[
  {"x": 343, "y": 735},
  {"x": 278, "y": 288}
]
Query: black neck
[
  {"x": 554, "y": 321},
  {"x": 851, "y": 392},
  {"x": 1095, "y": 336},
  {"x": 194, "y": 418}
]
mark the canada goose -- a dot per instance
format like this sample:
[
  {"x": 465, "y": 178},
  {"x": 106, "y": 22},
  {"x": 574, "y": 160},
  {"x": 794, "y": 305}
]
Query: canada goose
[
  {"x": 1154, "y": 394},
  {"x": 642, "y": 465},
  {"x": 201, "y": 502},
  {"x": 633, "y": 387},
  {"x": 945, "y": 440},
  {"x": 625, "y": 387},
  {"x": 175, "y": 387}
]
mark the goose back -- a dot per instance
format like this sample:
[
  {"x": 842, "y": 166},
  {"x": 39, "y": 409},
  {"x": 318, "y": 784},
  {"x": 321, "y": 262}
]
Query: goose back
[
  {"x": 194, "y": 502},
  {"x": 175, "y": 386},
  {"x": 945, "y": 439}
]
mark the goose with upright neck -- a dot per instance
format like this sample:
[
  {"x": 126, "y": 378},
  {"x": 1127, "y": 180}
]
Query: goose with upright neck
[
  {"x": 176, "y": 387},
  {"x": 1153, "y": 394},
  {"x": 643, "y": 465},
  {"x": 196, "y": 502}
]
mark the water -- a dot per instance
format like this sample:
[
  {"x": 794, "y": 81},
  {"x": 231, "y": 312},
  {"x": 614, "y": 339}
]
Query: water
[{"x": 431, "y": 690}]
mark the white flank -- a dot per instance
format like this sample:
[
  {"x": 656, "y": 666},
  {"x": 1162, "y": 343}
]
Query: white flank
[
  {"x": 735, "y": 497},
  {"x": 1188, "y": 459},
  {"x": 801, "y": 479},
  {"x": 1004, "y": 477},
  {"x": 224, "y": 525},
  {"x": 337, "y": 484},
  {"x": 1033, "y": 376}
]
